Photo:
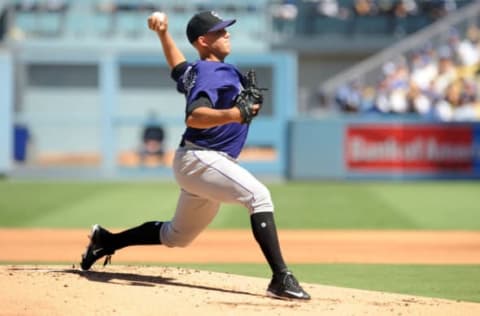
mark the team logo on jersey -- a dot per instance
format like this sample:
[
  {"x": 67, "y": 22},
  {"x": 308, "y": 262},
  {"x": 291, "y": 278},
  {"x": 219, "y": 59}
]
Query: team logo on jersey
[{"x": 189, "y": 79}]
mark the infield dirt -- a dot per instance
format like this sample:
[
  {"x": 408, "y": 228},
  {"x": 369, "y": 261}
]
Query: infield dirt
[{"x": 122, "y": 289}]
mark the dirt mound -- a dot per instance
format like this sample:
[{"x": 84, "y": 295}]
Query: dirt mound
[{"x": 128, "y": 290}]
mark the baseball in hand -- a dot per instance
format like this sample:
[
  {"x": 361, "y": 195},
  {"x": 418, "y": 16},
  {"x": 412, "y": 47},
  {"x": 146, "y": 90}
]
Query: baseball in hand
[
  {"x": 157, "y": 21},
  {"x": 159, "y": 15}
]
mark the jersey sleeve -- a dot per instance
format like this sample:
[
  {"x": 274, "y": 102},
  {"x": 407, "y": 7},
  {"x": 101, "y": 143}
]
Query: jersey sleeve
[
  {"x": 178, "y": 74},
  {"x": 178, "y": 70},
  {"x": 201, "y": 101}
]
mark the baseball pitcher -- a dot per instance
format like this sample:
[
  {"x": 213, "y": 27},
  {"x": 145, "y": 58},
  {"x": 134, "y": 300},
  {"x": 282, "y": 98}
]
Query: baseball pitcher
[{"x": 220, "y": 105}]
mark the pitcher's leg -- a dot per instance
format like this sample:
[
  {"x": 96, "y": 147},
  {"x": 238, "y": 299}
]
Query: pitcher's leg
[
  {"x": 192, "y": 216},
  {"x": 265, "y": 233},
  {"x": 217, "y": 177},
  {"x": 223, "y": 179},
  {"x": 147, "y": 233}
]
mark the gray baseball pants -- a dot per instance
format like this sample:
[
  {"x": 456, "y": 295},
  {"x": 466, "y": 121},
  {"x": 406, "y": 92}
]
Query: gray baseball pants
[{"x": 208, "y": 178}]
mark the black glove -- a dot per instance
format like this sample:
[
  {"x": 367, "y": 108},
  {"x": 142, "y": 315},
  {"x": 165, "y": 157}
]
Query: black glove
[{"x": 249, "y": 96}]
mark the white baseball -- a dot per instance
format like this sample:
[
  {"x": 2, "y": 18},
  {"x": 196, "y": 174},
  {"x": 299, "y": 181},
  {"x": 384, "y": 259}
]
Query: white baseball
[{"x": 159, "y": 15}]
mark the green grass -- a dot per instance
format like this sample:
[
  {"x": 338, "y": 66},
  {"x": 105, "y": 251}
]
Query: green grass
[
  {"x": 456, "y": 282},
  {"x": 79, "y": 204},
  {"x": 298, "y": 205}
]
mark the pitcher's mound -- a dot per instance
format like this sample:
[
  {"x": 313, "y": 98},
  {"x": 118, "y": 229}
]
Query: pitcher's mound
[{"x": 128, "y": 290}]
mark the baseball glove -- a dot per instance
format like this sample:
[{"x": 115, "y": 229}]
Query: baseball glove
[{"x": 250, "y": 95}]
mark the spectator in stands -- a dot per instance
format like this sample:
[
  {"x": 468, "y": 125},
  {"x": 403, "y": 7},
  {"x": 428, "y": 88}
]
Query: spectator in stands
[
  {"x": 153, "y": 137},
  {"x": 397, "y": 80},
  {"x": 332, "y": 8},
  {"x": 106, "y": 6},
  {"x": 27, "y": 5},
  {"x": 349, "y": 97},
  {"x": 447, "y": 73},
  {"x": 55, "y": 5},
  {"x": 398, "y": 98},
  {"x": 420, "y": 101},
  {"x": 437, "y": 9},
  {"x": 444, "y": 108},
  {"x": 423, "y": 69},
  {"x": 361, "y": 10},
  {"x": 437, "y": 83},
  {"x": 328, "y": 8},
  {"x": 465, "y": 50},
  {"x": 364, "y": 8},
  {"x": 385, "y": 7},
  {"x": 400, "y": 11},
  {"x": 404, "y": 8}
]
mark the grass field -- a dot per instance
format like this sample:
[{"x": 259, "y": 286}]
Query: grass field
[{"x": 299, "y": 205}]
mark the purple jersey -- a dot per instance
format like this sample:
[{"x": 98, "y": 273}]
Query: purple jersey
[{"x": 220, "y": 83}]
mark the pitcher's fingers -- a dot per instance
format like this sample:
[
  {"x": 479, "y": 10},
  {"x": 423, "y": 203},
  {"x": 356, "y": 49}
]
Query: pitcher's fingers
[{"x": 150, "y": 23}]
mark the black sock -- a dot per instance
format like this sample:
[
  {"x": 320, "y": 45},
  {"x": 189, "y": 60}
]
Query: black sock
[
  {"x": 265, "y": 232},
  {"x": 146, "y": 234}
]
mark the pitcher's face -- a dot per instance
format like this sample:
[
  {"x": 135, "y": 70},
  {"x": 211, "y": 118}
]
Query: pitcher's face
[{"x": 218, "y": 42}]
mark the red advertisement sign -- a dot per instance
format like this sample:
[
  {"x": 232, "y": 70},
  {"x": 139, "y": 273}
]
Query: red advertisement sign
[{"x": 409, "y": 148}]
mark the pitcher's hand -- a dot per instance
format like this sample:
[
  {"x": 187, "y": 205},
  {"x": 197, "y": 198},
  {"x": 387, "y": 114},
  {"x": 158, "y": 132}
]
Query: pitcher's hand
[{"x": 158, "y": 22}]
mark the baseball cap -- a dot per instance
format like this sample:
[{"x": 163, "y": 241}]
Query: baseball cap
[{"x": 205, "y": 22}]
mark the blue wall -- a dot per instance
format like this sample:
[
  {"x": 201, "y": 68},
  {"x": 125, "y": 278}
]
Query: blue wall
[
  {"x": 94, "y": 111},
  {"x": 6, "y": 108},
  {"x": 318, "y": 149}
]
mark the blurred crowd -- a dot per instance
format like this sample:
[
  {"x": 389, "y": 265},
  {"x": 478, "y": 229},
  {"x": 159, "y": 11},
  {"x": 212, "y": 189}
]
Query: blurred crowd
[
  {"x": 441, "y": 83},
  {"x": 40, "y": 6},
  {"x": 305, "y": 17},
  {"x": 397, "y": 8},
  {"x": 351, "y": 8},
  {"x": 399, "y": 16},
  {"x": 55, "y": 18}
]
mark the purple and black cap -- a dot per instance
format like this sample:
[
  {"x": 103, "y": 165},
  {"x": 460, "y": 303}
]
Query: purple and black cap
[{"x": 205, "y": 22}]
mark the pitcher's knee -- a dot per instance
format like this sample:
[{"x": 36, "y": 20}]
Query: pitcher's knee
[
  {"x": 173, "y": 238},
  {"x": 262, "y": 200}
]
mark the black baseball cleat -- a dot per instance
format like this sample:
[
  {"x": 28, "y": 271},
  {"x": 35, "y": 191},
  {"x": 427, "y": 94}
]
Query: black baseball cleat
[
  {"x": 97, "y": 248},
  {"x": 285, "y": 286}
]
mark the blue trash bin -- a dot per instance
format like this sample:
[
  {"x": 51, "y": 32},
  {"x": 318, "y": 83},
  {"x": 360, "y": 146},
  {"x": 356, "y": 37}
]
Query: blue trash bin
[{"x": 21, "y": 136}]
